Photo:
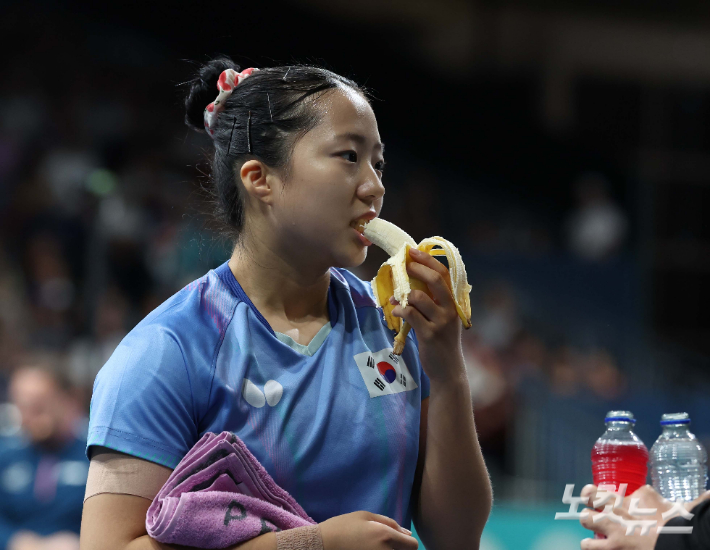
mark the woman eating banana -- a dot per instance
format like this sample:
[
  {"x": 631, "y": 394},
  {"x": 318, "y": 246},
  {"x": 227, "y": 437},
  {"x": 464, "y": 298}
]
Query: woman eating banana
[{"x": 286, "y": 348}]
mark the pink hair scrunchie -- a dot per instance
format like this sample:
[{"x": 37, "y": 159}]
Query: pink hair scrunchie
[{"x": 228, "y": 80}]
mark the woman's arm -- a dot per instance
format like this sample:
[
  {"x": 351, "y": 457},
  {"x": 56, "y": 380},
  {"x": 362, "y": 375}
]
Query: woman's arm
[
  {"x": 114, "y": 520},
  {"x": 454, "y": 496},
  {"x": 117, "y": 522}
]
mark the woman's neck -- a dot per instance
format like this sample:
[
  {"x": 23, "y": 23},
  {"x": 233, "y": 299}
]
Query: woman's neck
[{"x": 278, "y": 289}]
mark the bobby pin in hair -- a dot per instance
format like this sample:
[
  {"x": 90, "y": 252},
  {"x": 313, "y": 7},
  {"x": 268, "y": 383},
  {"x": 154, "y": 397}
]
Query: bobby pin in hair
[
  {"x": 231, "y": 135},
  {"x": 284, "y": 78},
  {"x": 269, "y": 101},
  {"x": 249, "y": 132}
]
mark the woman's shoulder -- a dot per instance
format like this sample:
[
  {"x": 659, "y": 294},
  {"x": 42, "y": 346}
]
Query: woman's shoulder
[
  {"x": 189, "y": 325},
  {"x": 205, "y": 304}
]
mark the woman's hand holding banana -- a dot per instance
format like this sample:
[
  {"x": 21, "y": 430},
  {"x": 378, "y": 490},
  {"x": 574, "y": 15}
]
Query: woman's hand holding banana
[{"x": 434, "y": 317}]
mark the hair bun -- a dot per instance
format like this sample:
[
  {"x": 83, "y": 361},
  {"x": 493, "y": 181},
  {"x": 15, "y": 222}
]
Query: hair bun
[{"x": 203, "y": 90}]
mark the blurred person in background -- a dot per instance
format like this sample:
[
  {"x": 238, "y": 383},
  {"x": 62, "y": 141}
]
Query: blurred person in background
[
  {"x": 13, "y": 317},
  {"x": 51, "y": 289},
  {"x": 498, "y": 320},
  {"x": 492, "y": 397},
  {"x": 526, "y": 358},
  {"x": 43, "y": 470},
  {"x": 89, "y": 353},
  {"x": 597, "y": 228},
  {"x": 602, "y": 375},
  {"x": 565, "y": 371}
]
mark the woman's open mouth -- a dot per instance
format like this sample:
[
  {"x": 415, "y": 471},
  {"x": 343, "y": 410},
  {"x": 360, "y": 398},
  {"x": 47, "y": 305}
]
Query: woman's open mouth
[{"x": 362, "y": 238}]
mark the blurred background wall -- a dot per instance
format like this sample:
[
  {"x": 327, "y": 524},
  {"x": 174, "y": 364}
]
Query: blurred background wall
[{"x": 564, "y": 147}]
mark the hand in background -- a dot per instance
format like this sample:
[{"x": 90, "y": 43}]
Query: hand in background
[{"x": 616, "y": 533}]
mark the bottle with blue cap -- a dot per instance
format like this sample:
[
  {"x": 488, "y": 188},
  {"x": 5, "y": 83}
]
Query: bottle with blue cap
[
  {"x": 619, "y": 456},
  {"x": 678, "y": 460}
]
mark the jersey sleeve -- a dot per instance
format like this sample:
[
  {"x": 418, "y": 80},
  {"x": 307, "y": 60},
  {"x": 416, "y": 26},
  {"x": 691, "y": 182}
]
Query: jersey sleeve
[{"x": 142, "y": 403}]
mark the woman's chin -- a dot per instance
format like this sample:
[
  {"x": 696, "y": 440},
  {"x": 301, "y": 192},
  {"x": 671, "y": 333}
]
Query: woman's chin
[{"x": 354, "y": 259}]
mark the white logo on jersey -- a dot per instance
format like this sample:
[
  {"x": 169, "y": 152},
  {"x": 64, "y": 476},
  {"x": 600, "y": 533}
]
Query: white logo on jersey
[
  {"x": 384, "y": 372},
  {"x": 273, "y": 391}
]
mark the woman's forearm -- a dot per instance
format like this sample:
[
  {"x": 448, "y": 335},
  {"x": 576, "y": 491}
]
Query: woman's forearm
[
  {"x": 267, "y": 541},
  {"x": 455, "y": 496}
]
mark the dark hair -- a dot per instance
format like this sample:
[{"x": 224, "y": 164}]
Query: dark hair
[{"x": 263, "y": 118}]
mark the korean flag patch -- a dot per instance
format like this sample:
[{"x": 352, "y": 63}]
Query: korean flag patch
[{"x": 384, "y": 372}]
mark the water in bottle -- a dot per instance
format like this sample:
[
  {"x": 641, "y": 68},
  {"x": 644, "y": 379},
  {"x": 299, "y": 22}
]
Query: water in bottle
[
  {"x": 619, "y": 456},
  {"x": 678, "y": 460}
]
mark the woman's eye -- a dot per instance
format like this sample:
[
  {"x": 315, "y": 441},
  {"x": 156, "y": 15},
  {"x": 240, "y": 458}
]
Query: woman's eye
[
  {"x": 380, "y": 166},
  {"x": 349, "y": 155}
]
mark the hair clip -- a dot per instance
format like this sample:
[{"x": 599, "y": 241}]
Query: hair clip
[
  {"x": 231, "y": 135},
  {"x": 249, "y": 132}
]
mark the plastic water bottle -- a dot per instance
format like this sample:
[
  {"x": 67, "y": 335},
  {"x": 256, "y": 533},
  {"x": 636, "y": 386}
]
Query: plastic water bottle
[
  {"x": 678, "y": 460},
  {"x": 619, "y": 456}
]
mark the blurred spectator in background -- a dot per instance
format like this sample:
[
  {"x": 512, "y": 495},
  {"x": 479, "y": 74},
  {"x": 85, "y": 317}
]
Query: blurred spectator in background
[
  {"x": 565, "y": 372},
  {"x": 14, "y": 316},
  {"x": 52, "y": 292},
  {"x": 43, "y": 469},
  {"x": 603, "y": 377},
  {"x": 526, "y": 358},
  {"x": 497, "y": 320},
  {"x": 423, "y": 204},
  {"x": 88, "y": 354},
  {"x": 492, "y": 397},
  {"x": 597, "y": 228}
]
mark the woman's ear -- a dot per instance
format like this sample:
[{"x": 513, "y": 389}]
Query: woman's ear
[{"x": 253, "y": 174}]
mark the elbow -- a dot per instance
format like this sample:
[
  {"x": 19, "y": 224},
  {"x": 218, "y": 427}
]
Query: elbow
[
  {"x": 482, "y": 505},
  {"x": 480, "y": 517},
  {"x": 489, "y": 499},
  {"x": 471, "y": 525}
]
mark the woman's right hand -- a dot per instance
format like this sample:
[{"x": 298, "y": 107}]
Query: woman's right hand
[{"x": 365, "y": 531}]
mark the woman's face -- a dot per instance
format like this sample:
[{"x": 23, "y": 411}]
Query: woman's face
[{"x": 335, "y": 178}]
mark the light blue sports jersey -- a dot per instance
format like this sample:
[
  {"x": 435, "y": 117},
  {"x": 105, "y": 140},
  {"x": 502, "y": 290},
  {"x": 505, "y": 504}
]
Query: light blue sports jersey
[{"x": 335, "y": 423}]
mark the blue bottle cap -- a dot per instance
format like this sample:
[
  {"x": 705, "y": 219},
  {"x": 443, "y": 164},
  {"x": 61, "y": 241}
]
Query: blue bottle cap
[
  {"x": 675, "y": 418},
  {"x": 620, "y": 416}
]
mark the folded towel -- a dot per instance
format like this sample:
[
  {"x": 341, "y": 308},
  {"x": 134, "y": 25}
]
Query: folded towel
[{"x": 218, "y": 496}]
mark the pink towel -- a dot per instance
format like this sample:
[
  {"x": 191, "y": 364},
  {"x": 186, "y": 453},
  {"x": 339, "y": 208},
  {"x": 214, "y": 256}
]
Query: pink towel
[{"x": 218, "y": 496}]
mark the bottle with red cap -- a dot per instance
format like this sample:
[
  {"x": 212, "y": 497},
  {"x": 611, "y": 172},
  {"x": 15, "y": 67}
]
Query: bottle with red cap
[{"x": 619, "y": 456}]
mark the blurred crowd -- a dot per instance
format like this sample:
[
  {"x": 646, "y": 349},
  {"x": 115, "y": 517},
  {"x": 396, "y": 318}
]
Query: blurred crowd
[{"x": 101, "y": 219}]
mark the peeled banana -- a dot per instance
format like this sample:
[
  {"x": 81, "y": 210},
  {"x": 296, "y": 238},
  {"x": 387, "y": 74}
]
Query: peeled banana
[{"x": 392, "y": 278}]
